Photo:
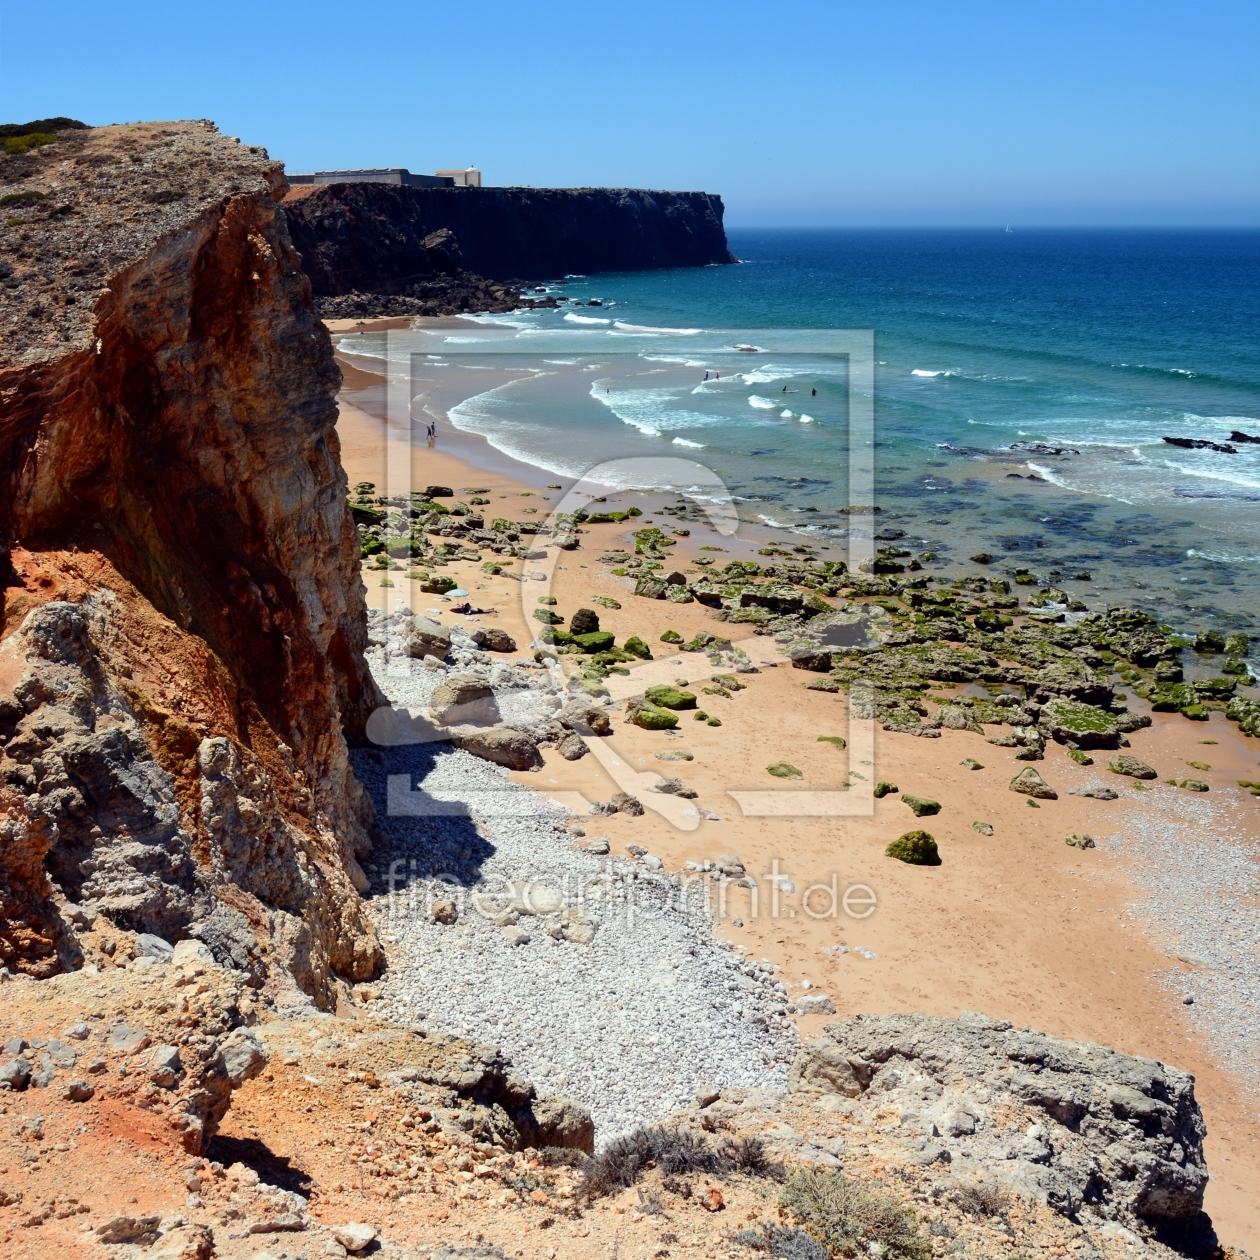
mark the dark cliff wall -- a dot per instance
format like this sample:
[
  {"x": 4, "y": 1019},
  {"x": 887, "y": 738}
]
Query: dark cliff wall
[{"x": 370, "y": 237}]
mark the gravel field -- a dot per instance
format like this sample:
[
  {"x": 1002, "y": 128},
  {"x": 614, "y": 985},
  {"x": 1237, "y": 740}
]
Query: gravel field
[
  {"x": 1198, "y": 874},
  {"x": 632, "y": 1023}
]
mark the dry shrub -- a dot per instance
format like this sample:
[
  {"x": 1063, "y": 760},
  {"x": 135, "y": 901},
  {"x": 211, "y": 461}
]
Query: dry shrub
[
  {"x": 846, "y": 1217},
  {"x": 981, "y": 1198},
  {"x": 675, "y": 1152}
]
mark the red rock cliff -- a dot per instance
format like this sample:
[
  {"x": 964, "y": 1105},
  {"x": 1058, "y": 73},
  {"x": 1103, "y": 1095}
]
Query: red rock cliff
[{"x": 183, "y": 621}]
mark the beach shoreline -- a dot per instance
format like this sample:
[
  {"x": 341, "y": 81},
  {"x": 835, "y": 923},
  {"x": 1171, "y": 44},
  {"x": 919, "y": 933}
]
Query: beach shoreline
[{"x": 1017, "y": 925}]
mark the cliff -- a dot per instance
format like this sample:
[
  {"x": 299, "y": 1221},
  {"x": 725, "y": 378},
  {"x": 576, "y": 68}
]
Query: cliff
[
  {"x": 182, "y": 620},
  {"x": 378, "y": 238}
]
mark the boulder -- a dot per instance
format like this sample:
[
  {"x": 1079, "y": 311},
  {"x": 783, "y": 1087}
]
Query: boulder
[
  {"x": 1097, "y": 791},
  {"x": 667, "y": 697},
  {"x": 920, "y": 806},
  {"x": 626, "y": 804},
  {"x": 585, "y": 718},
  {"x": 1113, "y": 1128},
  {"x": 463, "y": 699},
  {"x": 815, "y": 1004},
  {"x": 573, "y": 747},
  {"x": 418, "y": 637},
  {"x": 915, "y": 848},
  {"x": 594, "y": 641},
  {"x": 498, "y": 640},
  {"x": 500, "y": 744},
  {"x": 637, "y": 647},
  {"x": 1085, "y": 725},
  {"x": 354, "y": 1237},
  {"x": 1133, "y": 767},
  {"x": 649, "y": 716},
  {"x": 810, "y": 656},
  {"x": 1030, "y": 783},
  {"x": 584, "y": 621}
]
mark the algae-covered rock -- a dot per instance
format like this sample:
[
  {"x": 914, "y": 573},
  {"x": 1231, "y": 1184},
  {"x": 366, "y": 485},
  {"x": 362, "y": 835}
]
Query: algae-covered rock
[
  {"x": 837, "y": 741},
  {"x": 649, "y": 716},
  {"x": 636, "y": 647},
  {"x": 1083, "y": 724},
  {"x": 884, "y": 788},
  {"x": 1030, "y": 783},
  {"x": 1246, "y": 713},
  {"x": 667, "y": 697},
  {"x": 920, "y": 806},
  {"x": 1131, "y": 766},
  {"x": 547, "y": 617},
  {"x": 1208, "y": 643},
  {"x": 650, "y": 587},
  {"x": 1081, "y": 841},
  {"x": 984, "y": 828},
  {"x": 671, "y": 636},
  {"x": 971, "y": 763},
  {"x": 784, "y": 770},
  {"x": 917, "y": 848},
  {"x": 595, "y": 641},
  {"x": 1081, "y": 759},
  {"x": 1194, "y": 785}
]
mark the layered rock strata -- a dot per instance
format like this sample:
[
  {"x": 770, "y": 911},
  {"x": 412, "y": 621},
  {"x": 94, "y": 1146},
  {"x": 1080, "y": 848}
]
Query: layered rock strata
[{"x": 183, "y": 621}]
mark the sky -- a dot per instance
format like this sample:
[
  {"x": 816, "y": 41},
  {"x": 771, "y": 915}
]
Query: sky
[{"x": 799, "y": 114}]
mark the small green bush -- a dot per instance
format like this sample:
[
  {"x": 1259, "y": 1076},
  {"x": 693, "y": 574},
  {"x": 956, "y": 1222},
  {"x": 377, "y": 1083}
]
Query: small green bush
[
  {"x": 28, "y": 198},
  {"x": 24, "y": 144},
  {"x": 846, "y": 1217}
]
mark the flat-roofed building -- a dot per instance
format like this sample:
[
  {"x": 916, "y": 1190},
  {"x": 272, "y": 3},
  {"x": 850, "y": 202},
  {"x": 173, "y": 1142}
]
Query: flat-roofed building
[
  {"x": 469, "y": 177},
  {"x": 377, "y": 175}
]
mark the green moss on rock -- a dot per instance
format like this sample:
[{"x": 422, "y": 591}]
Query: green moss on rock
[
  {"x": 636, "y": 647},
  {"x": 884, "y": 788},
  {"x": 916, "y": 848},
  {"x": 668, "y": 697},
  {"x": 784, "y": 770},
  {"x": 921, "y": 806}
]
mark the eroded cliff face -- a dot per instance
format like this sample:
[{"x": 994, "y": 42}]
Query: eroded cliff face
[
  {"x": 373, "y": 238},
  {"x": 183, "y": 619}
]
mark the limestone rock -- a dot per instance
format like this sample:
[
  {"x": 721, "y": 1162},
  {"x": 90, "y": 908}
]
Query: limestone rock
[
  {"x": 1133, "y": 767},
  {"x": 1124, "y": 1131},
  {"x": 585, "y": 718},
  {"x": 463, "y": 699},
  {"x": 418, "y": 637},
  {"x": 498, "y": 640},
  {"x": 1030, "y": 783},
  {"x": 355, "y": 1236},
  {"x": 815, "y": 1004},
  {"x": 500, "y": 744}
]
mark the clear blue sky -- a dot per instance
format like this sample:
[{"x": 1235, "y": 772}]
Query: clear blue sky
[{"x": 797, "y": 113}]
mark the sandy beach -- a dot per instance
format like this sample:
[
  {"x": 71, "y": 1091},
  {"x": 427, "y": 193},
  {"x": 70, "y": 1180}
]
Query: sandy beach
[{"x": 1018, "y": 924}]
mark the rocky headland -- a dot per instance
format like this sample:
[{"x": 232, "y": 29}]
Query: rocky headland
[{"x": 380, "y": 249}]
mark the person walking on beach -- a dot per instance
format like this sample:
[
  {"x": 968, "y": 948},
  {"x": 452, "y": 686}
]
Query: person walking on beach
[{"x": 431, "y": 433}]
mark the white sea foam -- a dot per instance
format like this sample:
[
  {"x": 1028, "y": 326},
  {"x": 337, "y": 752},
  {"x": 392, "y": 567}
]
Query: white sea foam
[
  {"x": 464, "y": 341},
  {"x": 645, "y": 328},
  {"x": 925, "y": 372},
  {"x": 511, "y": 320},
  {"x": 804, "y": 419},
  {"x": 673, "y": 358},
  {"x": 649, "y": 410},
  {"x": 684, "y": 442},
  {"x": 562, "y": 362},
  {"x": 762, "y": 404},
  {"x": 785, "y": 414},
  {"x": 771, "y": 372},
  {"x": 585, "y": 319}
]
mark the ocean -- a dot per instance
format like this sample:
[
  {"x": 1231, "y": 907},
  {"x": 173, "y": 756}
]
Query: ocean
[{"x": 1023, "y": 385}]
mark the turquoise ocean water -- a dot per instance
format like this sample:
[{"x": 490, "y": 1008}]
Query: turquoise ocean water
[{"x": 993, "y": 350}]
